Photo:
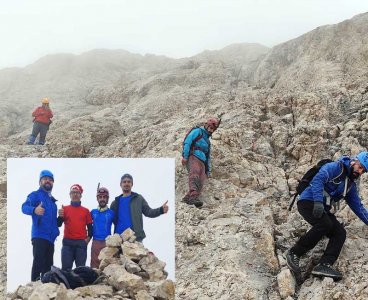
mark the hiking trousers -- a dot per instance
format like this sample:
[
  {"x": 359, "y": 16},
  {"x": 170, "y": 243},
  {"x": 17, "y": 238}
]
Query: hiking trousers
[
  {"x": 43, "y": 257},
  {"x": 97, "y": 246},
  {"x": 327, "y": 226},
  {"x": 73, "y": 251},
  {"x": 197, "y": 174},
  {"x": 40, "y": 128}
]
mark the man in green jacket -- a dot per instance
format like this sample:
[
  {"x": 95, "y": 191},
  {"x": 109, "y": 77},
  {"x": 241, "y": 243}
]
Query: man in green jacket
[{"x": 130, "y": 206}]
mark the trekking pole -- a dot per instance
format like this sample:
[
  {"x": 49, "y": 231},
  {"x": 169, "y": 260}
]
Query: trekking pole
[
  {"x": 98, "y": 186},
  {"x": 292, "y": 202}
]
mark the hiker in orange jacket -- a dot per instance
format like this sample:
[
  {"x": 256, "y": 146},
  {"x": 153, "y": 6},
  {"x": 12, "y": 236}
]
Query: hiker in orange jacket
[{"x": 42, "y": 121}]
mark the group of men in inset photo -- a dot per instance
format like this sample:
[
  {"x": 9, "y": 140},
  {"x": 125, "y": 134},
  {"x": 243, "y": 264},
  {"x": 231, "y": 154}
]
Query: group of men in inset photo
[{"x": 80, "y": 224}]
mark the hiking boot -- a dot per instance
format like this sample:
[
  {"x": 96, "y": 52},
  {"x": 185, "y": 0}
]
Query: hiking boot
[
  {"x": 196, "y": 202},
  {"x": 326, "y": 270},
  {"x": 292, "y": 261},
  {"x": 31, "y": 140},
  {"x": 185, "y": 200}
]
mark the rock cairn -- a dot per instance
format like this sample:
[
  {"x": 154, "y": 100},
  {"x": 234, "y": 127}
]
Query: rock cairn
[{"x": 127, "y": 271}]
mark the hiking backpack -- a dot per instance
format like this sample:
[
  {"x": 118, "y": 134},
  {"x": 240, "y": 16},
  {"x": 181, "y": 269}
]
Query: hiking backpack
[
  {"x": 192, "y": 146},
  {"x": 309, "y": 175},
  {"x": 80, "y": 276}
]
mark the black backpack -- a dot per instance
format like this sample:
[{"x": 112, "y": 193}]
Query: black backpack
[
  {"x": 309, "y": 175},
  {"x": 80, "y": 276}
]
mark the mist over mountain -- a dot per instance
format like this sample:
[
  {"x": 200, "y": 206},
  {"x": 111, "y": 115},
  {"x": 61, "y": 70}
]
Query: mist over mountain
[{"x": 282, "y": 110}]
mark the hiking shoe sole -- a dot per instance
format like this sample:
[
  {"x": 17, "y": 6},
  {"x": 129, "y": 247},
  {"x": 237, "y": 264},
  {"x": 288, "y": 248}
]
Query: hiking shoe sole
[
  {"x": 196, "y": 202},
  {"x": 290, "y": 264},
  {"x": 321, "y": 274}
]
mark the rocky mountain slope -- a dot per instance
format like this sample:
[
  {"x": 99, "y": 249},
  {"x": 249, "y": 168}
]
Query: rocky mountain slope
[{"x": 283, "y": 109}]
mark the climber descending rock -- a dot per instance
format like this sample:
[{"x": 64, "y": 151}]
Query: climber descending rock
[
  {"x": 196, "y": 157},
  {"x": 42, "y": 116},
  {"x": 318, "y": 204}
]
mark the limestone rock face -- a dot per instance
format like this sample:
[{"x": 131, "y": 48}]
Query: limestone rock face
[
  {"x": 286, "y": 282},
  {"x": 282, "y": 110}
]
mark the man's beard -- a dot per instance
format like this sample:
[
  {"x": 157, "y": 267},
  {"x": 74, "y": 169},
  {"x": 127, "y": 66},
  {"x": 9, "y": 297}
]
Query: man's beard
[
  {"x": 126, "y": 190},
  {"x": 102, "y": 204},
  {"x": 353, "y": 175},
  {"x": 47, "y": 187}
]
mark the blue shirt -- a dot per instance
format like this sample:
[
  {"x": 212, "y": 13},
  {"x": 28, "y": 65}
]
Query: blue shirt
[
  {"x": 102, "y": 223},
  {"x": 124, "y": 218}
]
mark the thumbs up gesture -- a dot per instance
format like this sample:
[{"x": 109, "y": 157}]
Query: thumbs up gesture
[
  {"x": 61, "y": 211},
  {"x": 165, "y": 207},
  {"x": 39, "y": 210}
]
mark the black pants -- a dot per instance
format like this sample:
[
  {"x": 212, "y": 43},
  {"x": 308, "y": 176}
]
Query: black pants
[
  {"x": 40, "y": 128},
  {"x": 43, "y": 257},
  {"x": 73, "y": 251},
  {"x": 327, "y": 226}
]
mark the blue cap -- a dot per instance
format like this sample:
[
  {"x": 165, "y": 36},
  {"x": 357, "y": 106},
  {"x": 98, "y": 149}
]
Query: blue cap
[
  {"x": 363, "y": 158},
  {"x": 126, "y": 176},
  {"x": 46, "y": 173}
]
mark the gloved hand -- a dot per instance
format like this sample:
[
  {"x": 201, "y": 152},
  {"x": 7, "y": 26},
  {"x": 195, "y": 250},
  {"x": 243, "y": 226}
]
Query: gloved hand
[{"x": 318, "y": 209}]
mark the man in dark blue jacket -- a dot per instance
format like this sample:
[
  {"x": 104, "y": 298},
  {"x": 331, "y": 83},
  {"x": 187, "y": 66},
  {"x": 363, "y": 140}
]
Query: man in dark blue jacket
[
  {"x": 317, "y": 204},
  {"x": 197, "y": 159},
  {"x": 41, "y": 206}
]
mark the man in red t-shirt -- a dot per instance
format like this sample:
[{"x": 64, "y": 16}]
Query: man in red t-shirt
[
  {"x": 75, "y": 241},
  {"x": 42, "y": 116}
]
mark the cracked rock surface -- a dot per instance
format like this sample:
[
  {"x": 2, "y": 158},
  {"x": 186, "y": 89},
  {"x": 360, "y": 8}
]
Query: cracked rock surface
[{"x": 282, "y": 110}]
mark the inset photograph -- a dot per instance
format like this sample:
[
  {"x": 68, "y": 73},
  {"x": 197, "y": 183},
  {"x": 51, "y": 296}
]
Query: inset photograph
[{"x": 105, "y": 223}]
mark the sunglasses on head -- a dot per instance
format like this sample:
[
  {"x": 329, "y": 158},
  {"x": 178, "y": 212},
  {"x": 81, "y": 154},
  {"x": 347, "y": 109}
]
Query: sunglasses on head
[{"x": 101, "y": 191}]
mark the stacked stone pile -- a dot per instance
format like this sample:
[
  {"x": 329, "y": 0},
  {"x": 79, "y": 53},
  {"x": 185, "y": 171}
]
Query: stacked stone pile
[{"x": 127, "y": 271}]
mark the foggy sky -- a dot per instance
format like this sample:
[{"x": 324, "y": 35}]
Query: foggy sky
[{"x": 30, "y": 30}]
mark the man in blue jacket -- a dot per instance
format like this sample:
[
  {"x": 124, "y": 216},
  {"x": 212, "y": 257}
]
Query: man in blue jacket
[
  {"x": 197, "y": 158},
  {"x": 41, "y": 206},
  {"x": 102, "y": 218},
  {"x": 317, "y": 204}
]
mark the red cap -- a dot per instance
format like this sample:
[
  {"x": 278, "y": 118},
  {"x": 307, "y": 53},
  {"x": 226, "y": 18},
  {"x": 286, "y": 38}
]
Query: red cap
[{"x": 76, "y": 187}]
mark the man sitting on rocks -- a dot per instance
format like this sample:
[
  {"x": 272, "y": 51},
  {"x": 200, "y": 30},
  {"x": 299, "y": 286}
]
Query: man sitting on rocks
[
  {"x": 102, "y": 220},
  {"x": 42, "y": 121},
  {"x": 75, "y": 241},
  {"x": 130, "y": 206},
  {"x": 196, "y": 157},
  {"x": 315, "y": 204}
]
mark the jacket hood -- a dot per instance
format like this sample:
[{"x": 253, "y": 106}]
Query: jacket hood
[{"x": 346, "y": 161}]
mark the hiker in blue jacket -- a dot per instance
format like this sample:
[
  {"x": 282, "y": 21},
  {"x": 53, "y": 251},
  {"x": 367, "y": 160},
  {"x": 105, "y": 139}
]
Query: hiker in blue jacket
[
  {"x": 41, "y": 206},
  {"x": 197, "y": 159},
  {"x": 129, "y": 207},
  {"x": 318, "y": 203},
  {"x": 102, "y": 218}
]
